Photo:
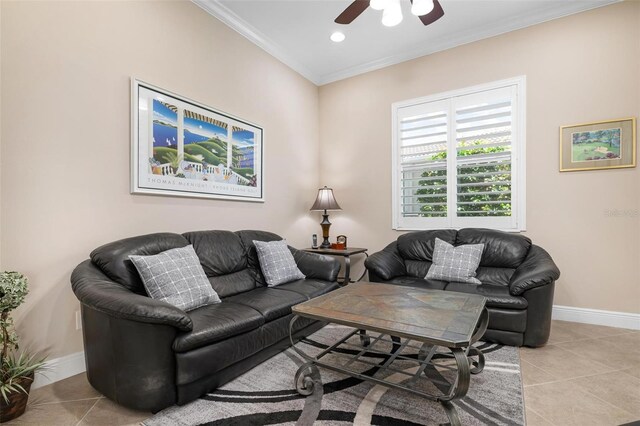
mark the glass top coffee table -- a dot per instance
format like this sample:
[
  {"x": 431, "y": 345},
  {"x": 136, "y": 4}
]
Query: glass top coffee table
[{"x": 389, "y": 322}]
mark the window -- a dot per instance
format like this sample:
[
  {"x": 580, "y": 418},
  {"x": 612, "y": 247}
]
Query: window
[{"x": 458, "y": 159}]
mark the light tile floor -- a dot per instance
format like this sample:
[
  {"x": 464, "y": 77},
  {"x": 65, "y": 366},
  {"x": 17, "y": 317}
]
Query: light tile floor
[{"x": 586, "y": 375}]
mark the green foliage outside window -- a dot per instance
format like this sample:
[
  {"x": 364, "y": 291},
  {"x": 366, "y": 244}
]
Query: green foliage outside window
[{"x": 481, "y": 203}]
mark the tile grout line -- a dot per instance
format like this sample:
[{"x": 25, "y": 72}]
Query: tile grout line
[
  {"x": 581, "y": 339},
  {"x": 36, "y": 404},
  {"x": 607, "y": 402},
  {"x": 541, "y": 416},
  {"x": 572, "y": 378},
  {"x": 575, "y": 354},
  {"x": 610, "y": 404},
  {"x": 88, "y": 411}
]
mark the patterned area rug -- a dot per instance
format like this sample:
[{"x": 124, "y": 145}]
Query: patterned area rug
[{"x": 266, "y": 395}]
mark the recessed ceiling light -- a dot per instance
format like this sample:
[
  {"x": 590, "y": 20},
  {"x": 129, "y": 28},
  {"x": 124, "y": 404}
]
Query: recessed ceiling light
[{"x": 337, "y": 37}]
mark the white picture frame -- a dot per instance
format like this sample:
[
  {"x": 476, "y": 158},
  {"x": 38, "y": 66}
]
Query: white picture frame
[{"x": 180, "y": 147}]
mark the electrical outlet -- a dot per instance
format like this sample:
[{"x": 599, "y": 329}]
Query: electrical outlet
[{"x": 78, "y": 320}]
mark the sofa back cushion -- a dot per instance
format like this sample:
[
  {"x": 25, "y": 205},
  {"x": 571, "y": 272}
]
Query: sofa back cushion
[
  {"x": 220, "y": 252},
  {"x": 417, "y": 268},
  {"x": 494, "y": 276},
  {"x": 224, "y": 261},
  {"x": 501, "y": 249},
  {"x": 419, "y": 245},
  {"x": 113, "y": 258},
  {"x": 233, "y": 283}
]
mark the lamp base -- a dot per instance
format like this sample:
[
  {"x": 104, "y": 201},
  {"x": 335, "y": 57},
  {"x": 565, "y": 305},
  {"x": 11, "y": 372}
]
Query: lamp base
[
  {"x": 325, "y": 224},
  {"x": 325, "y": 243}
]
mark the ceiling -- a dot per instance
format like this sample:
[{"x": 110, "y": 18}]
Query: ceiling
[{"x": 297, "y": 31}]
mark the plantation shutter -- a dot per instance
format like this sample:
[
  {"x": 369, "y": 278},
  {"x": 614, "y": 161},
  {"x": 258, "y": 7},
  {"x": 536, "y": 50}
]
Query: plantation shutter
[
  {"x": 456, "y": 159},
  {"x": 423, "y": 135},
  {"x": 484, "y": 158}
]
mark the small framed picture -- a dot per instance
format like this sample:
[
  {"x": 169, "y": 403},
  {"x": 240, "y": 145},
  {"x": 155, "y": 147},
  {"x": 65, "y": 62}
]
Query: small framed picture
[{"x": 599, "y": 145}]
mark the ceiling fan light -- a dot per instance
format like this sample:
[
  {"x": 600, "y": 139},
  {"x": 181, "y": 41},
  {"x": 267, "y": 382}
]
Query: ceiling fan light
[
  {"x": 392, "y": 14},
  {"x": 421, "y": 7},
  {"x": 378, "y": 4},
  {"x": 337, "y": 37}
]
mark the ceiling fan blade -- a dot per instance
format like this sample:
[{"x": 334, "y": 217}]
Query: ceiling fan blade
[
  {"x": 434, "y": 15},
  {"x": 352, "y": 11}
]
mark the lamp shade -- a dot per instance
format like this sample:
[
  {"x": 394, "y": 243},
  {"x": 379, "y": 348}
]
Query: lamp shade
[{"x": 325, "y": 200}]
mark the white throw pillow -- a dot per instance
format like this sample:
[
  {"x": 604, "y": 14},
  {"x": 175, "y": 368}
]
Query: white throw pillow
[
  {"x": 277, "y": 263},
  {"x": 455, "y": 263},
  {"x": 176, "y": 277}
]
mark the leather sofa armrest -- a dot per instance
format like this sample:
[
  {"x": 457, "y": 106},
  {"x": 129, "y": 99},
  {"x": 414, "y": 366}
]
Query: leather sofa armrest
[
  {"x": 538, "y": 269},
  {"x": 318, "y": 266},
  {"x": 387, "y": 264},
  {"x": 97, "y": 291}
]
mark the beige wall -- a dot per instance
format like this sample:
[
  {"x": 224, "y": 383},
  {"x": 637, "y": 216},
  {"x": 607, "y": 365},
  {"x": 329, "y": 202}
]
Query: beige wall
[
  {"x": 66, "y": 71},
  {"x": 582, "y": 68}
]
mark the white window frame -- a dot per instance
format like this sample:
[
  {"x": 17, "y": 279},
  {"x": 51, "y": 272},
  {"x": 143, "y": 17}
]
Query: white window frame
[{"x": 518, "y": 169}]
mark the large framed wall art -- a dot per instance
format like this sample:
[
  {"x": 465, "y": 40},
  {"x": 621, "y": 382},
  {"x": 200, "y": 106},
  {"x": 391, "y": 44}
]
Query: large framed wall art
[{"x": 183, "y": 148}]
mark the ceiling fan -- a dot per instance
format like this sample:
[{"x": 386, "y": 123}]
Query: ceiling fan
[{"x": 428, "y": 11}]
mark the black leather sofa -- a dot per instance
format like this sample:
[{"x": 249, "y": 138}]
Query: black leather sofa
[
  {"x": 518, "y": 278},
  {"x": 147, "y": 354}
]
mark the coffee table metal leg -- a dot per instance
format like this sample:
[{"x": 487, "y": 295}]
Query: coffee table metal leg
[
  {"x": 460, "y": 386},
  {"x": 452, "y": 413},
  {"x": 306, "y": 378},
  {"x": 478, "y": 365},
  {"x": 364, "y": 339},
  {"x": 396, "y": 344},
  {"x": 483, "y": 322}
]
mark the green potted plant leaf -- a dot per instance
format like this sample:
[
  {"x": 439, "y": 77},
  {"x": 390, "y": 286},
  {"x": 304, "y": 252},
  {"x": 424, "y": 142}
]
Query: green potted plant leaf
[{"x": 16, "y": 369}]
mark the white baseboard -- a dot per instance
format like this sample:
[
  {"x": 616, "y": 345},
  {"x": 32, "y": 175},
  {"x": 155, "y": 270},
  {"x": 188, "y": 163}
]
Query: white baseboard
[
  {"x": 597, "y": 317},
  {"x": 59, "y": 369}
]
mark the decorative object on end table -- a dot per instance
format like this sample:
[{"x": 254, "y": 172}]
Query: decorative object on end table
[
  {"x": 325, "y": 201},
  {"x": 180, "y": 147},
  {"x": 599, "y": 145},
  {"x": 16, "y": 369},
  {"x": 342, "y": 239}
]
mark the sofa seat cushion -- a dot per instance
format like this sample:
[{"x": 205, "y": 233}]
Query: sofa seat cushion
[
  {"x": 213, "y": 323},
  {"x": 310, "y": 288},
  {"x": 205, "y": 361},
  {"x": 272, "y": 303},
  {"x": 418, "y": 283},
  {"x": 497, "y": 296}
]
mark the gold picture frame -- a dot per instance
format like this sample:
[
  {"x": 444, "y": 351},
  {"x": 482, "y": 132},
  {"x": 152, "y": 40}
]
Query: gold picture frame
[{"x": 609, "y": 144}]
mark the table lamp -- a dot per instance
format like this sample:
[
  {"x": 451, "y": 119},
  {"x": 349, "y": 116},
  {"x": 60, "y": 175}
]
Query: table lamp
[{"x": 325, "y": 201}]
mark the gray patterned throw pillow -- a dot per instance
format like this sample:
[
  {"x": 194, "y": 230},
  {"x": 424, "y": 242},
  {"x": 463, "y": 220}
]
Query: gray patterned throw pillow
[
  {"x": 176, "y": 277},
  {"x": 455, "y": 263},
  {"x": 277, "y": 263}
]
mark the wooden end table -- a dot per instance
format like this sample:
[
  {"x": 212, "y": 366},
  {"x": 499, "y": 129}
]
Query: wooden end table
[
  {"x": 346, "y": 253},
  {"x": 406, "y": 320}
]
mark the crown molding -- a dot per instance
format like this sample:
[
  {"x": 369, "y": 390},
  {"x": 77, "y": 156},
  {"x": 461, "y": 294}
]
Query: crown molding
[
  {"x": 232, "y": 20},
  {"x": 236, "y": 23}
]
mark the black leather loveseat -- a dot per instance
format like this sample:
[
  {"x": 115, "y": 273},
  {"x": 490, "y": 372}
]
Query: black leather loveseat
[
  {"x": 517, "y": 277},
  {"x": 147, "y": 354}
]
